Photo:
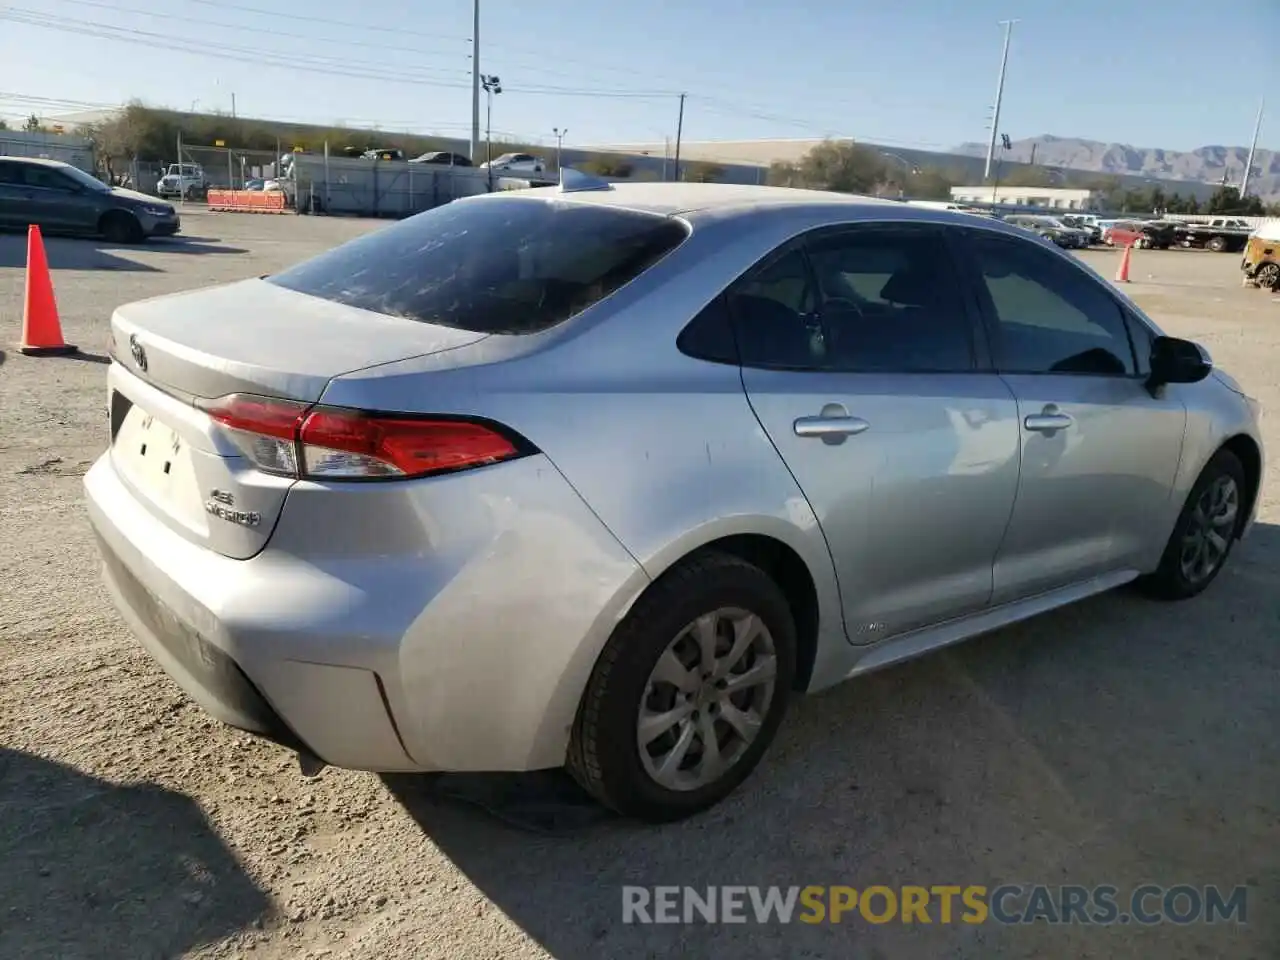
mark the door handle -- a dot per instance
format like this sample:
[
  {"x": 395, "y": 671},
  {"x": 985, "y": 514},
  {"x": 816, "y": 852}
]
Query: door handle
[
  {"x": 830, "y": 426},
  {"x": 1047, "y": 422}
]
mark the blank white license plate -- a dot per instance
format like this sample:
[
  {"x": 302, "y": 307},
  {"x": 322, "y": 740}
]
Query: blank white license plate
[{"x": 155, "y": 457}]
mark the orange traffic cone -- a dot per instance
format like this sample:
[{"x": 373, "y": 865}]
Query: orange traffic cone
[
  {"x": 1122, "y": 275},
  {"x": 41, "y": 329}
]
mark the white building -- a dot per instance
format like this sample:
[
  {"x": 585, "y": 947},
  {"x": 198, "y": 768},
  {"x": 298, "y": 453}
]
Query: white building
[{"x": 1054, "y": 198}]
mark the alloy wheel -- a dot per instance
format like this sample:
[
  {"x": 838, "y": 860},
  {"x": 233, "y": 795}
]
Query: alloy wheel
[
  {"x": 1208, "y": 535},
  {"x": 706, "y": 699}
]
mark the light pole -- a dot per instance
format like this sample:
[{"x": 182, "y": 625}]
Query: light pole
[
  {"x": 1248, "y": 164},
  {"x": 560, "y": 135},
  {"x": 995, "y": 119},
  {"x": 492, "y": 87},
  {"x": 1005, "y": 144},
  {"x": 475, "y": 81}
]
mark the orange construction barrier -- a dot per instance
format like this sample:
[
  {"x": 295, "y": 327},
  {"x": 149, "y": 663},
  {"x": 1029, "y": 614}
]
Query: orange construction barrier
[
  {"x": 1122, "y": 275},
  {"x": 247, "y": 201},
  {"x": 41, "y": 329}
]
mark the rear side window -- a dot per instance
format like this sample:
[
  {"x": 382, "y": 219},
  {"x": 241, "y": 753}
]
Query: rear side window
[{"x": 495, "y": 265}]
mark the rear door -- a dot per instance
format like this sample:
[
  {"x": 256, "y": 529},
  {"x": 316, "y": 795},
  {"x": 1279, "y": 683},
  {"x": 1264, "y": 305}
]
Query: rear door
[
  {"x": 1099, "y": 453},
  {"x": 859, "y": 359}
]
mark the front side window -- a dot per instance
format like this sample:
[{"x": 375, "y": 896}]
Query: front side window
[
  {"x": 1049, "y": 317},
  {"x": 505, "y": 264}
]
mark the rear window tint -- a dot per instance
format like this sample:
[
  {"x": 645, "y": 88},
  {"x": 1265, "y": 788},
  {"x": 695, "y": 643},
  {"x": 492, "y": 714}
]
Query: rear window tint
[{"x": 493, "y": 265}]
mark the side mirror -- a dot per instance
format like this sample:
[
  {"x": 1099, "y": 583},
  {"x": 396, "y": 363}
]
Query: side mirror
[{"x": 1178, "y": 361}]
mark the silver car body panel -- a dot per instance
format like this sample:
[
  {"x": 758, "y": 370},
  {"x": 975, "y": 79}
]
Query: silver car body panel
[{"x": 468, "y": 610}]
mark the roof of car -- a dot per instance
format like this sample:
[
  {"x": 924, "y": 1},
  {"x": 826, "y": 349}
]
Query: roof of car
[
  {"x": 39, "y": 161},
  {"x": 675, "y": 198}
]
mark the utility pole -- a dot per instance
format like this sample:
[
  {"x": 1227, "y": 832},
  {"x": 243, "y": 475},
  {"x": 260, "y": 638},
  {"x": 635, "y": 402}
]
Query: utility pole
[
  {"x": 475, "y": 82},
  {"x": 492, "y": 86},
  {"x": 560, "y": 135},
  {"x": 679, "y": 134},
  {"x": 1005, "y": 143},
  {"x": 233, "y": 106},
  {"x": 995, "y": 119},
  {"x": 1248, "y": 166}
]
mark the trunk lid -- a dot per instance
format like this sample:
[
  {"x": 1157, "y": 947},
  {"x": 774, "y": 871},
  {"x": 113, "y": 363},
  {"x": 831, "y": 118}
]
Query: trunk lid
[
  {"x": 256, "y": 337},
  {"x": 250, "y": 337}
]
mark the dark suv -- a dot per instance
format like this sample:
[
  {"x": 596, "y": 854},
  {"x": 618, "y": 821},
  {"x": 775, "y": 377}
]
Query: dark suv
[{"x": 61, "y": 198}]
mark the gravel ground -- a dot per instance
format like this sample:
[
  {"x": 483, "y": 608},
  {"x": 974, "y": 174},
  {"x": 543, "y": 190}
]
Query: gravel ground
[{"x": 1120, "y": 741}]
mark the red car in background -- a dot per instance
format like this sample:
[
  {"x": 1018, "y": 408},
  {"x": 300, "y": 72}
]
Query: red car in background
[
  {"x": 1122, "y": 233},
  {"x": 1144, "y": 234}
]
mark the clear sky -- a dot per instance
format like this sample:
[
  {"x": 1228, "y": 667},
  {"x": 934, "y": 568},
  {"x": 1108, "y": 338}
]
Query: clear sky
[{"x": 922, "y": 73}]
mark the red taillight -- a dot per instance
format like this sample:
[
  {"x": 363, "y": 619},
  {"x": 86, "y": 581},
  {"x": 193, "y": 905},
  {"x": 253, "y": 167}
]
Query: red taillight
[
  {"x": 271, "y": 418},
  {"x": 285, "y": 437},
  {"x": 339, "y": 443}
]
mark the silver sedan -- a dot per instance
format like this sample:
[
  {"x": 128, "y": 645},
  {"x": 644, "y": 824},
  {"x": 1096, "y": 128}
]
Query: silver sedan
[{"x": 600, "y": 476}]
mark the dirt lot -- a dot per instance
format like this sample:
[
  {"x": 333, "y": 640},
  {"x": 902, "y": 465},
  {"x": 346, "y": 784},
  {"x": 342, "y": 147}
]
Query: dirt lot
[{"x": 1118, "y": 742}]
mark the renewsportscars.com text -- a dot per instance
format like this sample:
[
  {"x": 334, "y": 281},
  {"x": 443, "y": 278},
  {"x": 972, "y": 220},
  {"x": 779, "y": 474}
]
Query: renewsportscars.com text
[{"x": 1146, "y": 904}]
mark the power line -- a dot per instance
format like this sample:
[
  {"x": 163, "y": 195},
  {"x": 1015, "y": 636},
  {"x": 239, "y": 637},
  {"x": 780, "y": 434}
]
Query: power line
[
  {"x": 344, "y": 67},
  {"x": 454, "y": 49},
  {"x": 537, "y": 68}
]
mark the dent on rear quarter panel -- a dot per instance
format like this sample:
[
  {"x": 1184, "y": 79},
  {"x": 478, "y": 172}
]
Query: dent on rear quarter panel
[{"x": 663, "y": 448}]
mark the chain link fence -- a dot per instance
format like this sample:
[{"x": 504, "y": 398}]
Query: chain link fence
[
  {"x": 228, "y": 168},
  {"x": 378, "y": 188},
  {"x": 50, "y": 146}
]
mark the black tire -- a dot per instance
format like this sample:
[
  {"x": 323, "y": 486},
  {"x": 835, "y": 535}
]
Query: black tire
[
  {"x": 1216, "y": 244},
  {"x": 604, "y": 756},
  {"x": 1267, "y": 276},
  {"x": 1170, "y": 581},
  {"x": 120, "y": 227}
]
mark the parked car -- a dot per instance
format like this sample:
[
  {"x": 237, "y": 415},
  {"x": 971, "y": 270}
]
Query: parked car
[
  {"x": 1122, "y": 233},
  {"x": 516, "y": 163},
  {"x": 443, "y": 157},
  {"x": 1087, "y": 224},
  {"x": 383, "y": 153},
  {"x": 1261, "y": 261},
  {"x": 1158, "y": 234},
  {"x": 600, "y": 476},
  {"x": 1221, "y": 234},
  {"x": 1051, "y": 229},
  {"x": 254, "y": 185},
  {"x": 60, "y": 198}
]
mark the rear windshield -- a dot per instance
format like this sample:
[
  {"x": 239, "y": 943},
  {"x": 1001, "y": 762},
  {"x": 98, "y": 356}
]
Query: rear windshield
[{"x": 491, "y": 265}]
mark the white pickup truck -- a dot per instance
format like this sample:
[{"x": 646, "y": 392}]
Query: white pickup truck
[{"x": 184, "y": 180}]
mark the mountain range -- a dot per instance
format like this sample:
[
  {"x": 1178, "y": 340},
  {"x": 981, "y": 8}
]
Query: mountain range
[{"x": 1204, "y": 164}]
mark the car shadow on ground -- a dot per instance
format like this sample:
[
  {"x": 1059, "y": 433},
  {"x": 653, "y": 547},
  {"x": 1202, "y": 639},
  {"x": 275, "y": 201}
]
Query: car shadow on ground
[
  {"x": 75, "y": 253},
  {"x": 1119, "y": 741},
  {"x": 139, "y": 867}
]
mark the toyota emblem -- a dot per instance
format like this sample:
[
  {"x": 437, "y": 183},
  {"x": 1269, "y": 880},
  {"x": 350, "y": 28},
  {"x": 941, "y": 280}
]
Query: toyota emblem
[{"x": 139, "y": 355}]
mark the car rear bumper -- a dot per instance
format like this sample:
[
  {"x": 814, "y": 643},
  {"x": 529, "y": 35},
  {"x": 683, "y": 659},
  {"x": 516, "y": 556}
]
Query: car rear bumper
[{"x": 464, "y": 645}]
